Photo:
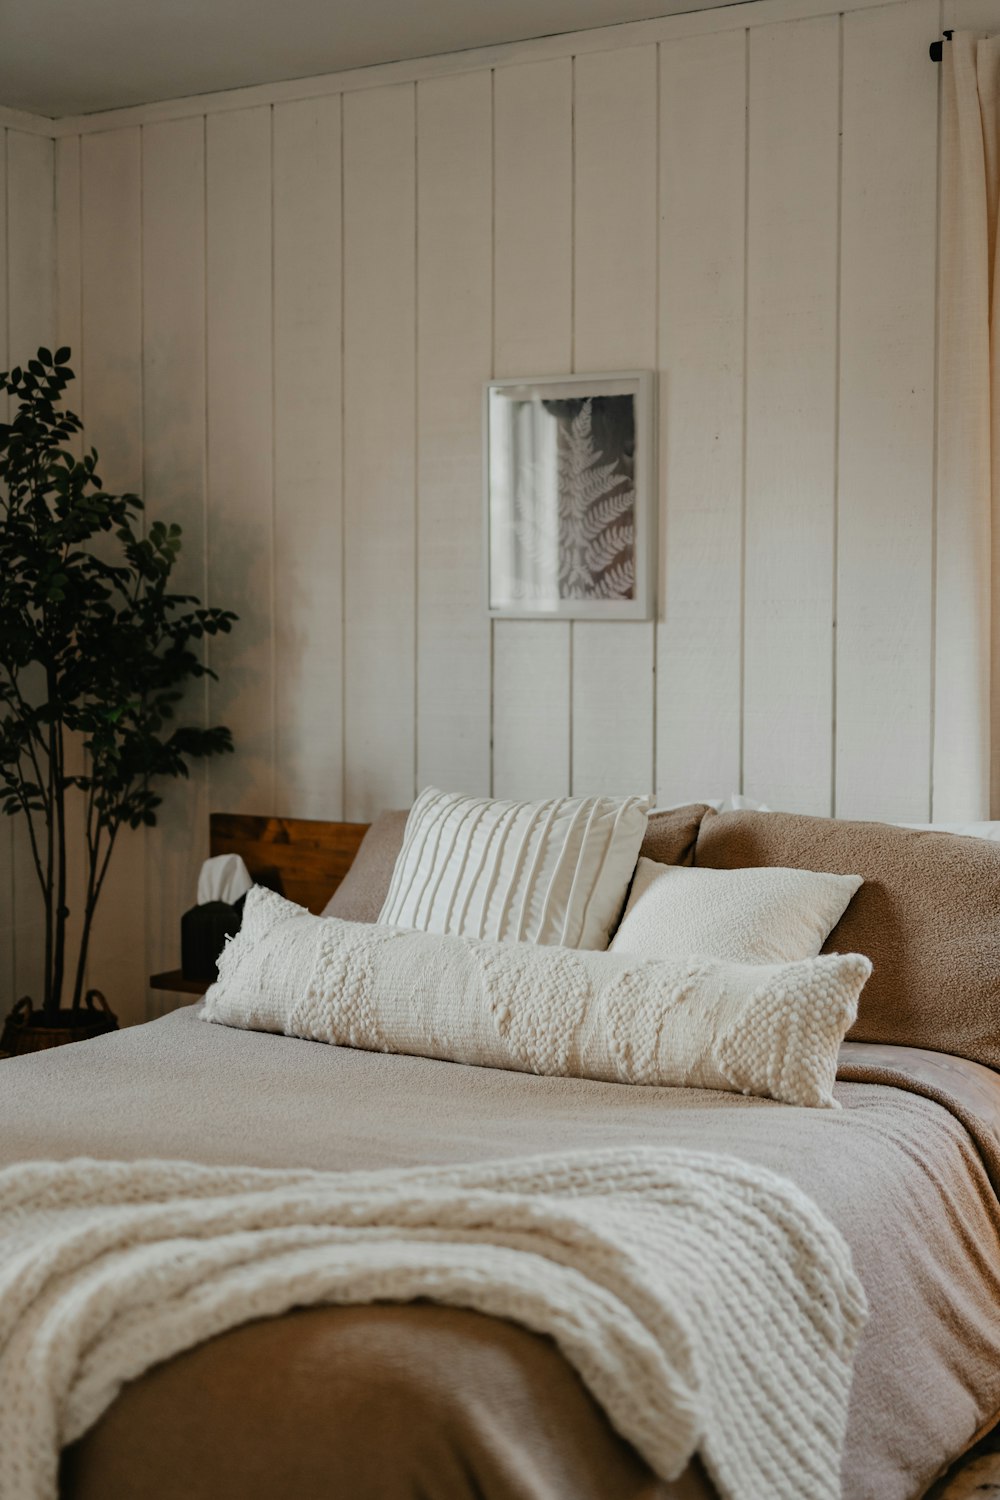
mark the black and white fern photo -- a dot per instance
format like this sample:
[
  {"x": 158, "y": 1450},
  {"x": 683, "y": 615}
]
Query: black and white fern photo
[{"x": 568, "y": 503}]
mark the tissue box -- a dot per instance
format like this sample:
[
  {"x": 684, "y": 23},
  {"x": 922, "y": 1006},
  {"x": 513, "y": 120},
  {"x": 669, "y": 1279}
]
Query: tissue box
[{"x": 204, "y": 930}]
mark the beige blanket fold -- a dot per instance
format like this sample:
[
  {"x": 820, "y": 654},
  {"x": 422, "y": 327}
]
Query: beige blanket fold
[{"x": 707, "y": 1304}]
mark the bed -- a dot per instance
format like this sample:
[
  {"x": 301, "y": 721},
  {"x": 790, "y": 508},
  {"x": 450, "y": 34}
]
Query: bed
[{"x": 439, "y": 1402}]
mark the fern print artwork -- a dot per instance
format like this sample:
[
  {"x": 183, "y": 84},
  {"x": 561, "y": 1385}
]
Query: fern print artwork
[{"x": 563, "y": 502}]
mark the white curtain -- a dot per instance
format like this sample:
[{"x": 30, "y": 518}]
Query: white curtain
[{"x": 967, "y": 667}]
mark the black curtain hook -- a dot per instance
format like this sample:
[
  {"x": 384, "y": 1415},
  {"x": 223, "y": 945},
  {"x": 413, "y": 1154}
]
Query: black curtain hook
[{"x": 937, "y": 48}]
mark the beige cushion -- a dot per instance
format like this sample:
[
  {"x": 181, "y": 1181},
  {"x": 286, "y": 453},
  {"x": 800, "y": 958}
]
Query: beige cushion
[
  {"x": 766, "y": 1029},
  {"x": 552, "y": 872},
  {"x": 361, "y": 894},
  {"x": 928, "y": 916},
  {"x": 748, "y": 916}
]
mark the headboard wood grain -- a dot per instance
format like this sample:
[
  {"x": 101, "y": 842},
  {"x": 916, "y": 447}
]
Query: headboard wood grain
[{"x": 304, "y": 859}]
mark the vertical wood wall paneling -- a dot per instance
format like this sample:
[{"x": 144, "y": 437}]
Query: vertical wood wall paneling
[
  {"x": 614, "y": 328},
  {"x": 111, "y": 331},
  {"x": 30, "y": 322},
  {"x": 68, "y": 332},
  {"x": 533, "y": 335},
  {"x": 379, "y": 450},
  {"x": 308, "y": 502},
  {"x": 886, "y": 454},
  {"x": 173, "y": 386},
  {"x": 454, "y": 354},
  {"x": 7, "y": 994},
  {"x": 418, "y": 285},
  {"x": 792, "y": 236},
  {"x": 30, "y": 243},
  {"x": 702, "y": 242},
  {"x": 240, "y": 485}
]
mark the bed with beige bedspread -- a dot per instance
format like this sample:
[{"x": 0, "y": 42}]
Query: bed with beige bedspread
[
  {"x": 386, "y": 1402},
  {"x": 449, "y": 1404}
]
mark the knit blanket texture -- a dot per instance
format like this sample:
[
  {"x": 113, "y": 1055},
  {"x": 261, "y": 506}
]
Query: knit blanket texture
[{"x": 706, "y": 1304}]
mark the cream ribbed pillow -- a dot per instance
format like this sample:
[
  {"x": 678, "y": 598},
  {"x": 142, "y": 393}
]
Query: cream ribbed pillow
[
  {"x": 535, "y": 872},
  {"x": 749, "y": 916}
]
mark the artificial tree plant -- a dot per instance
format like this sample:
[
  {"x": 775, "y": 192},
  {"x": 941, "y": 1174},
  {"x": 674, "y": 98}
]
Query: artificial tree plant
[{"x": 95, "y": 653}]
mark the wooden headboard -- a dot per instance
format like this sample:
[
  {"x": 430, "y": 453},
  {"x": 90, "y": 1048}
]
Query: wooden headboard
[{"x": 303, "y": 858}]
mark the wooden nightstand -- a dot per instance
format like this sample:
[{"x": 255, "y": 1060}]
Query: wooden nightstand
[
  {"x": 301, "y": 858},
  {"x": 174, "y": 980}
]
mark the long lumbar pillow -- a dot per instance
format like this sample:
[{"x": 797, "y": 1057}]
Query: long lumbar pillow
[{"x": 771, "y": 1030}]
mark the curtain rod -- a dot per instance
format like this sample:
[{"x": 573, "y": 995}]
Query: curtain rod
[{"x": 937, "y": 48}]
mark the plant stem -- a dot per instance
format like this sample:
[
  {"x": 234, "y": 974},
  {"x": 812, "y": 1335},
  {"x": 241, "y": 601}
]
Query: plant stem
[
  {"x": 88, "y": 914},
  {"x": 59, "y": 962},
  {"x": 95, "y": 880},
  {"x": 51, "y": 1001}
]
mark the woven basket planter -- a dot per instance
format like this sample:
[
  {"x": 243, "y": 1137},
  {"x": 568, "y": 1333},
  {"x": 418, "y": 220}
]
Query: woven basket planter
[{"x": 26, "y": 1029}]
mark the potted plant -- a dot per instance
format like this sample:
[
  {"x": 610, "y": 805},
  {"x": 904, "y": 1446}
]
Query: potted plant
[{"x": 93, "y": 646}]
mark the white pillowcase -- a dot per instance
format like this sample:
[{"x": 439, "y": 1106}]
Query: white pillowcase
[
  {"x": 772, "y": 1030},
  {"x": 749, "y": 916},
  {"x": 536, "y": 872}
]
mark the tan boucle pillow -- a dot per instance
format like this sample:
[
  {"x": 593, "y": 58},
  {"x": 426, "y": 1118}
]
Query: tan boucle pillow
[
  {"x": 768, "y": 1029},
  {"x": 928, "y": 916}
]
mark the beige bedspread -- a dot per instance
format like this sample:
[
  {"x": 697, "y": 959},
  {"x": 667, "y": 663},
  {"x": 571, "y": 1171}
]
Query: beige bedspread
[{"x": 896, "y": 1170}]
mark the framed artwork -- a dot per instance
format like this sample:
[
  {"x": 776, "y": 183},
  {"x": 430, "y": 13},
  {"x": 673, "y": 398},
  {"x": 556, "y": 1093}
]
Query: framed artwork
[{"x": 570, "y": 512}]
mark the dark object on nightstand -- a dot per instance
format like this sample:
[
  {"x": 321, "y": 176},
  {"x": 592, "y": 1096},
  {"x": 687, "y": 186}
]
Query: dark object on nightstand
[{"x": 204, "y": 930}]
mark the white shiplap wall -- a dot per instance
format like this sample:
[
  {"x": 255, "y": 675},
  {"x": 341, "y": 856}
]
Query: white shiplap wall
[
  {"x": 27, "y": 319},
  {"x": 285, "y": 302}
]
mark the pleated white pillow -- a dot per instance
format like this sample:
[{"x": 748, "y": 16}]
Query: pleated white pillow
[
  {"x": 554, "y": 872},
  {"x": 748, "y": 916}
]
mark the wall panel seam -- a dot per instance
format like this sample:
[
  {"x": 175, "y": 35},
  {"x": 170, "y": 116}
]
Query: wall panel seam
[
  {"x": 207, "y": 432},
  {"x": 838, "y": 290},
  {"x": 343, "y": 476},
  {"x": 493, "y": 371},
  {"x": 5, "y": 354},
  {"x": 273, "y": 636},
  {"x": 934, "y": 446},
  {"x": 571, "y": 644},
  {"x": 745, "y": 408},
  {"x": 143, "y": 516},
  {"x": 416, "y": 436},
  {"x": 656, "y": 475}
]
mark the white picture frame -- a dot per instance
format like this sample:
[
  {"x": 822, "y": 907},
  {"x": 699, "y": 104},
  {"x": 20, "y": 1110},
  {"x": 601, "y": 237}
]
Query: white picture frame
[{"x": 569, "y": 468}]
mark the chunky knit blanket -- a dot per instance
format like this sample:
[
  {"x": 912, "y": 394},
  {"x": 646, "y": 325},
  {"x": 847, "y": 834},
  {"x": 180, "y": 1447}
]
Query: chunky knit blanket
[{"x": 707, "y": 1305}]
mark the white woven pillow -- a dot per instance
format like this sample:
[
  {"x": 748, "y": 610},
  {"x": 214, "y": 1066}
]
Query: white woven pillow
[
  {"x": 536, "y": 872},
  {"x": 772, "y": 1030},
  {"x": 750, "y": 916}
]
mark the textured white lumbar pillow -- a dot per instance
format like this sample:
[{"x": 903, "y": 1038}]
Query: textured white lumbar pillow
[
  {"x": 772, "y": 1030},
  {"x": 750, "y": 916},
  {"x": 535, "y": 872}
]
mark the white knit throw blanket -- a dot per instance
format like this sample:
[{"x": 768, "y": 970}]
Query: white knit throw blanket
[{"x": 707, "y": 1305}]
